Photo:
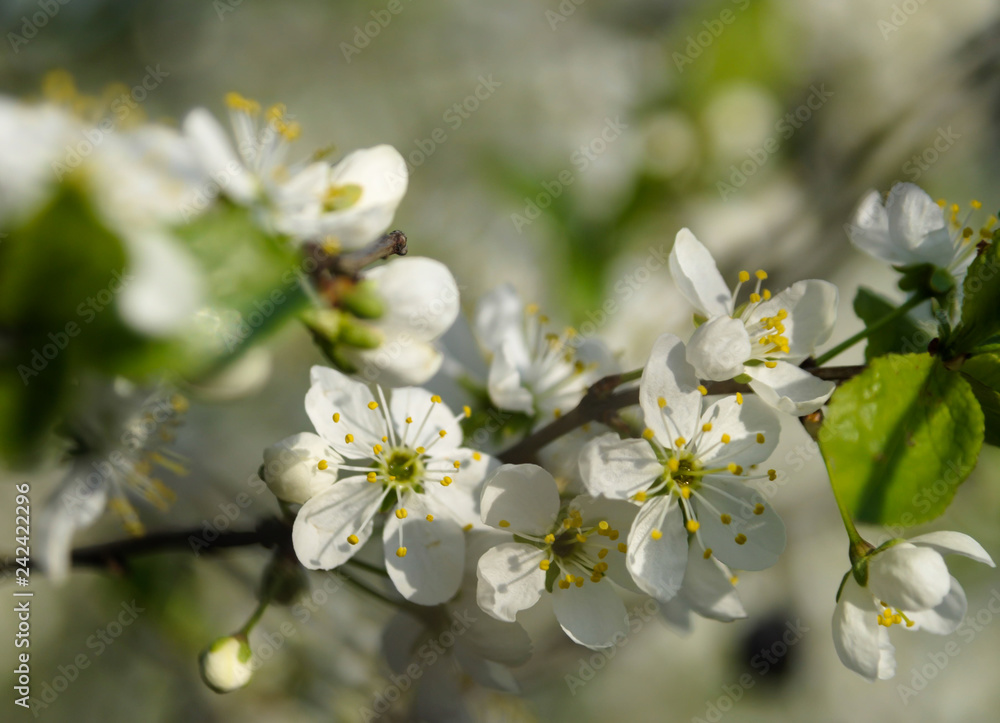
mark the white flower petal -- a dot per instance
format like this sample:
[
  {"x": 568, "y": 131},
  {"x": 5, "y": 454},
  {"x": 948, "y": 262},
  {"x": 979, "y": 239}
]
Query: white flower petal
[
  {"x": 415, "y": 403},
  {"x": 322, "y": 527},
  {"x": 696, "y": 275},
  {"x": 218, "y": 159},
  {"x": 420, "y": 296},
  {"x": 523, "y": 495},
  {"x": 499, "y": 316},
  {"x": 668, "y": 376},
  {"x": 719, "y": 347},
  {"x": 620, "y": 516},
  {"x": 912, "y": 215},
  {"x": 909, "y": 577},
  {"x": 957, "y": 543},
  {"x": 657, "y": 566},
  {"x": 510, "y": 580},
  {"x": 462, "y": 497},
  {"x": 431, "y": 570},
  {"x": 334, "y": 393},
  {"x": 618, "y": 468},
  {"x": 164, "y": 288},
  {"x": 592, "y": 615},
  {"x": 505, "y": 385},
  {"x": 708, "y": 588},
  {"x": 789, "y": 389},
  {"x": 398, "y": 362},
  {"x": 291, "y": 467},
  {"x": 764, "y": 533},
  {"x": 946, "y": 616},
  {"x": 869, "y": 230},
  {"x": 743, "y": 423},
  {"x": 862, "y": 644}
]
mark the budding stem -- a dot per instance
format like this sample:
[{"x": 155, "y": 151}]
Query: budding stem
[{"x": 869, "y": 330}]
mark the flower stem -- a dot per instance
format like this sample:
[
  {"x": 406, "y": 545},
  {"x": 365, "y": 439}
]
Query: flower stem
[
  {"x": 255, "y": 617},
  {"x": 869, "y": 330},
  {"x": 859, "y": 546}
]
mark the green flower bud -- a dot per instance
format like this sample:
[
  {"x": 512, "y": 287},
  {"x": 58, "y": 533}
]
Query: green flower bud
[{"x": 226, "y": 664}]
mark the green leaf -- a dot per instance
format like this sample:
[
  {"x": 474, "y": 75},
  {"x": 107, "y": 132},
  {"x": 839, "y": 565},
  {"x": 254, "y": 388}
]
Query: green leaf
[
  {"x": 983, "y": 374},
  {"x": 902, "y": 335},
  {"x": 981, "y": 302},
  {"x": 899, "y": 439}
]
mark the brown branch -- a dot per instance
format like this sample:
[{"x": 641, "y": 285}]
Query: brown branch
[
  {"x": 602, "y": 400},
  {"x": 350, "y": 263}
]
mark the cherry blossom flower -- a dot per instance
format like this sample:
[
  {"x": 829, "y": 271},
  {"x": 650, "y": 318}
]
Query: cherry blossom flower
[{"x": 765, "y": 338}]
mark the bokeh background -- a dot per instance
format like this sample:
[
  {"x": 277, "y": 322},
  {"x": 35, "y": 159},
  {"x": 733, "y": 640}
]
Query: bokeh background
[{"x": 599, "y": 129}]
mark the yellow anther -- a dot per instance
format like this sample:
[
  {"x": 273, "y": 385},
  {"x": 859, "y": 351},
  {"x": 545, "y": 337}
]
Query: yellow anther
[
  {"x": 544, "y": 564},
  {"x": 707, "y": 553},
  {"x": 445, "y": 481},
  {"x": 503, "y": 523},
  {"x": 467, "y": 527},
  {"x": 401, "y": 513},
  {"x": 456, "y": 464},
  {"x": 767, "y": 294},
  {"x": 435, "y": 399},
  {"x": 569, "y": 578},
  {"x": 409, "y": 420},
  {"x": 336, "y": 416},
  {"x": 744, "y": 277},
  {"x": 596, "y": 577},
  {"x": 673, "y": 464},
  {"x": 622, "y": 547},
  {"x": 770, "y": 364},
  {"x": 739, "y": 398},
  {"x": 580, "y": 537},
  {"x": 420, "y": 450},
  {"x": 661, "y": 402},
  {"x": 238, "y": 102},
  {"x": 733, "y": 580},
  {"x": 772, "y": 474},
  {"x": 942, "y": 203},
  {"x": 373, "y": 405},
  {"x": 467, "y": 411},
  {"x": 443, "y": 433},
  {"x": 639, "y": 496},
  {"x": 377, "y": 449},
  {"x": 755, "y": 297},
  {"x": 603, "y": 525},
  {"x": 392, "y": 478},
  {"x": 760, "y": 438},
  {"x": 976, "y": 204},
  {"x": 758, "y": 509},
  {"x": 322, "y": 464},
  {"x": 348, "y": 438},
  {"x": 557, "y": 412},
  {"x": 602, "y": 553},
  {"x": 563, "y": 585},
  {"x": 400, "y": 552},
  {"x": 531, "y": 309},
  {"x": 706, "y": 427},
  {"x": 372, "y": 477},
  {"x": 726, "y": 439},
  {"x": 656, "y": 534},
  {"x": 680, "y": 442},
  {"x": 613, "y": 535},
  {"x": 703, "y": 390},
  {"x": 578, "y": 582},
  {"x": 760, "y": 274},
  {"x": 476, "y": 456},
  {"x": 734, "y": 468},
  {"x": 692, "y": 525},
  {"x": 384, "y": 439},
  {"x": 647, "y": 434},
  {"x": 686, "y": 492},
  {"x": 967, "y": 232},
  {"x": 549, "y": 539},
  {"x": 430, "y": 518},
  {"x": 725, "y": 519},
  {"x": 352, "y": 539},
  {"x": 740, "y": 539}
]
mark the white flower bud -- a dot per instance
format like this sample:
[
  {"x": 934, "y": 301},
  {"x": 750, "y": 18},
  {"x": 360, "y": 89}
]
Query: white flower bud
[
  {"x": 226, "y": 664},
  {"x": 299, "y": 467}
]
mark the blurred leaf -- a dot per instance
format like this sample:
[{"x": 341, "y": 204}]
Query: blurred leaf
[
  {"x": 896, "y": 336},
  {"x": 899, "y": 439}
]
